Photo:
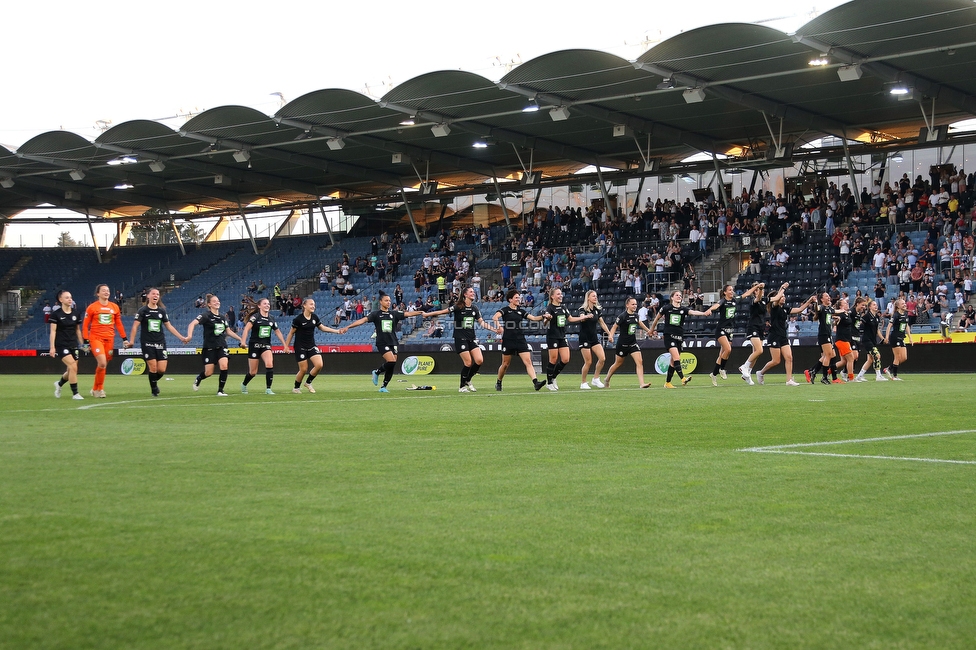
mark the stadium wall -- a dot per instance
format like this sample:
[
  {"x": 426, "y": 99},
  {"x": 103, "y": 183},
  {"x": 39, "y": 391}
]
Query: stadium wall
[{"x": 927, "y": 358}]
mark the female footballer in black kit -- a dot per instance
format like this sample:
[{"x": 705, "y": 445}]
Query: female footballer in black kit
[
  {"x": 152, "y": 316},
  {"x": 589, "y": 339},
  {"x": 755, "y": 330},
  {"x": 778, "y": 338},
  {"x": 674, "y": 315},
  {"x": 824, "y": 312},
  {"x": 726, "y": 308},
  {"x": 65, "y": 341},
  {"x": 303, "y": 330},
  {"x": 257, "y": 332},
  {"x": 215, "y": 333},
  {"x": 899, "y": 325},
  {"x": 870, "y": 333},
  {"x": 509, "y": 320},
  {"x": 558, "y": 317},
  {"x": 627, "y": 324},
  {"x": 385, "y": 321},
  {"x": 466, "y": 314}
]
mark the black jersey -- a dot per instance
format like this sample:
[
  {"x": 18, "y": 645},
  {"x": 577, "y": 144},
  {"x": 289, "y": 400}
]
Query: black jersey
[
  {"x": 845, "y": 326},
  {"x": 778, "y": 315},
  {"x": 857, "y": 324},
  {"x": 899, "y": 325},
  {"x": 757, "y": 314},
  {"x": 66, "y": 328},
  {"x": 726, "y": 314},
  {"x": 512, "y": 324},
  {"x": 558, "y": 322},
  {"x": 627, "y": 327},
  {"x": 464, "y": 320},
  {"x": 385, "y": 323},
  {"x": 214, "y": 330},
  {"x": 824, "y": 317},
  {"x": 261, "y": 329},
  {"x": 151, "y": 328},
  {"x": 674, "y": 319},
  {"x": 869, "y": 329},
  {"x": 589, "y": 328},
  {"x": 305, "y": 331}
]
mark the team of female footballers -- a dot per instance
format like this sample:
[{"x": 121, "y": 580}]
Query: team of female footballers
[{"x": 850, "y": 331}]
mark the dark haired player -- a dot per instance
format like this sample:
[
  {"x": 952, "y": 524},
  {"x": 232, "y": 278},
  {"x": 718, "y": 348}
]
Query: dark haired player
[
  {"x": 726, "y": 308},
  {"x": 65, "y": 341},
  {"x": 870, "y": 333},
  {"x": 899, "y": 325},
  {"x": 558, "y": 317},
  {"x": 303, "y": 329},
  {"x": 466, "y": 314},
  {"x": 258, "y": 331},
  {"x": 385, "y": 321},
  {"x": 674, "y": 315},
  {"x": 152, "y": 316},
  {"x": 509, "y": 321},
  {"x": 627, "y": 324},
  {"x": 215, "y": 333}
]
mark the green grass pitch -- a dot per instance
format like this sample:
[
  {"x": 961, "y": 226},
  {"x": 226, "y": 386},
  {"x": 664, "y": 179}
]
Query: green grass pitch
[{"x": 604, "y": 519}]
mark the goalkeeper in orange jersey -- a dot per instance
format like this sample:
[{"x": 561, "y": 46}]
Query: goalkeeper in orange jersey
[{"x": 102, "y": 319}]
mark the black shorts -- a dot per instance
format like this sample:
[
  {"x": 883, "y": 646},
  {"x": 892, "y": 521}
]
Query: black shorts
[
  {"x": 555, "y": 344},
  {"x": 510, "y": 348},
  {"x": 856, "y": 345},
  {"x": 824, "y": 340},
  {"x": 723, "y": 332},
  {"x": 588, "y": 342},
  {"x": 627, "y": 350},
  {"x": 673, "y": 342},
  {"x": 66, "y": 352},
  {"x": 898, "y": 344},
  {"x": 465, "y": 344},
  {"x": 255, "y": 350},
  {"x": 153, "y": 353},
  {"x": 213, "y": 355},
  {"x": 755, "y": 334},
  {"x": 383, "y": 349},
  {"x": 778, "y": 341},
  {"x": 305, "y": 355}
]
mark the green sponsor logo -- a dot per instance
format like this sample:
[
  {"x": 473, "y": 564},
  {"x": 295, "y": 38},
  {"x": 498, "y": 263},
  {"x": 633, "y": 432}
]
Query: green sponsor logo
[
  {"x": 155, "y": 325},
  {"x": 264, "y": 331},
  {"x": 386, "y": 325}
]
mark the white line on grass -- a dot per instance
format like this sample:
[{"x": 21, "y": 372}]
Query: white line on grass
[{"x": 785, "y": 449}]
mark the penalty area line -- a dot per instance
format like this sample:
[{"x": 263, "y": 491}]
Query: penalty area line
[{"x": 791, "y": 449}]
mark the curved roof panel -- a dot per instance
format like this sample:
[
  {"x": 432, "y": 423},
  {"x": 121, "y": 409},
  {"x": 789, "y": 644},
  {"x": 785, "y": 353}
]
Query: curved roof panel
[
  {"x": 580, "y": 75},
  {"x": 340, "y": 109},
  {"x": 454, "y": 94}
]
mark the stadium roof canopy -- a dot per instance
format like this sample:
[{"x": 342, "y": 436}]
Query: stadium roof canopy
[{"x": 742, "y": 90}]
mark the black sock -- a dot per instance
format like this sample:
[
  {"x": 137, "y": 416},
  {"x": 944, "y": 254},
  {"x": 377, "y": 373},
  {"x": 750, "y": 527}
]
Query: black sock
[
  {"x": 722, "y": 365},
  {"x": 670, "y": 374},
  {"x": 558, "y": 369},
  {"x": 475, "y": 367},
  {"x": 200, "y": 378},
  {"x": 223, "y": 380},
  {"x": 464, "y": 375},
  {"x": 816, "y": 368},
  {"x": 894, "y": 370},
  {"x": 298, "y": 384},
  {"x": 833, "y": 372},
  {"x": 62, "y": 381},
  {"x": 310, "y": 378},
  {"x": 247, "y": 378},
  {"x": 677, "y": 369},
  {"x": 388, "y": 368},
  {"x": 74, "y": 389},
  {"x": 268, "y": 378},
  {"x": 717, "y": 368}
]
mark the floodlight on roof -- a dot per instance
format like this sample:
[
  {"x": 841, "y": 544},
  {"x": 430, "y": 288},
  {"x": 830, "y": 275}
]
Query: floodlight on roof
[
  {"x": 410, "y": 121},
  {"x": 77, "y": 175},
  {"x": 157, "y": 166},
  {"x": 559, "y": 113},
  {"x": 480, "y": 144},
  {"x": 124, "y": 186},
  {"x": 901, "y": 90},
  {"x": 849, "y": 72},
  {"x": 687, "y": 178},
  {"x": 124, "y": 160},
  {"x": 242, "y": 156},
  {"x": 335, "y": 144},
  {"x": 667, "y": 84},
  {"x": 819, "y": 61},
  {"x": 532, "y": 106},
  {"x": 897, "y": 157},
  {"x": 622, "y": 131},
  {"x": 6, "y": 183},
  {"x": 693, "y": 95},
  {"x": 398, "y": 158},
  {"x": 221, "y": 179},
  {"x": 440, "y": 130}
]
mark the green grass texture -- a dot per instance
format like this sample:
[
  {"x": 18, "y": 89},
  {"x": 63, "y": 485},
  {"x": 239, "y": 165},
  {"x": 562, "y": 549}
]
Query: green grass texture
[{"x": 617, "y": 518}]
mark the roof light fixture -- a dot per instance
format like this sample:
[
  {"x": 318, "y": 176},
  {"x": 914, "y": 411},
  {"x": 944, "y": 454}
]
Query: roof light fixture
[
  {"x": 124, "y": 186},
  {"x": 532, "y": 106},
  {"x": 410, "y": 121},
  {"x": 849, "y": 72},
  {"x": 157, "y": 166},
  {"x": 820, "y": 61},
  {"x": 242, "y": 156},
  {"x": 6, "y": 183},
  {"x": 124, "y": 160},
  {"x": 480, "y": 144},
  {"x": 559, "y": 113},
  {"x": 335, "y": 144},
  {"x": 897, "y": 157},
  {"x": 693, "y": 95},
  {"x": 77, "y": 175},
  {"x": 440, "y": 130},
  {"x": 667, "y": 84}
]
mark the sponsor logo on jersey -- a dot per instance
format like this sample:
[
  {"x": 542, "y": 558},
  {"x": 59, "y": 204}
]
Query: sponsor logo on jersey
[
  {"x": 155, "y": 325},
  {"x": 105, "y": 319}
]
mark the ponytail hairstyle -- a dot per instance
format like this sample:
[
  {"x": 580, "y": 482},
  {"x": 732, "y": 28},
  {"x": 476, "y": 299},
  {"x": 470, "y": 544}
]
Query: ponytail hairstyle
[
  {"x": 206, "y": 300},
  {"x": 586, "y": 296},
  {"x": 98, "y": 287},
  {"x": 160, "y": 301}
]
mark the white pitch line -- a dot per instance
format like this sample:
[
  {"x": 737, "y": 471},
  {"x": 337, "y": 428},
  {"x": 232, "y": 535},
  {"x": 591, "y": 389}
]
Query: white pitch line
[
  {"x": 860, "y": 440},
  {"x": 784, "y": 449},
  {"x": 814, "y": 453}
]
